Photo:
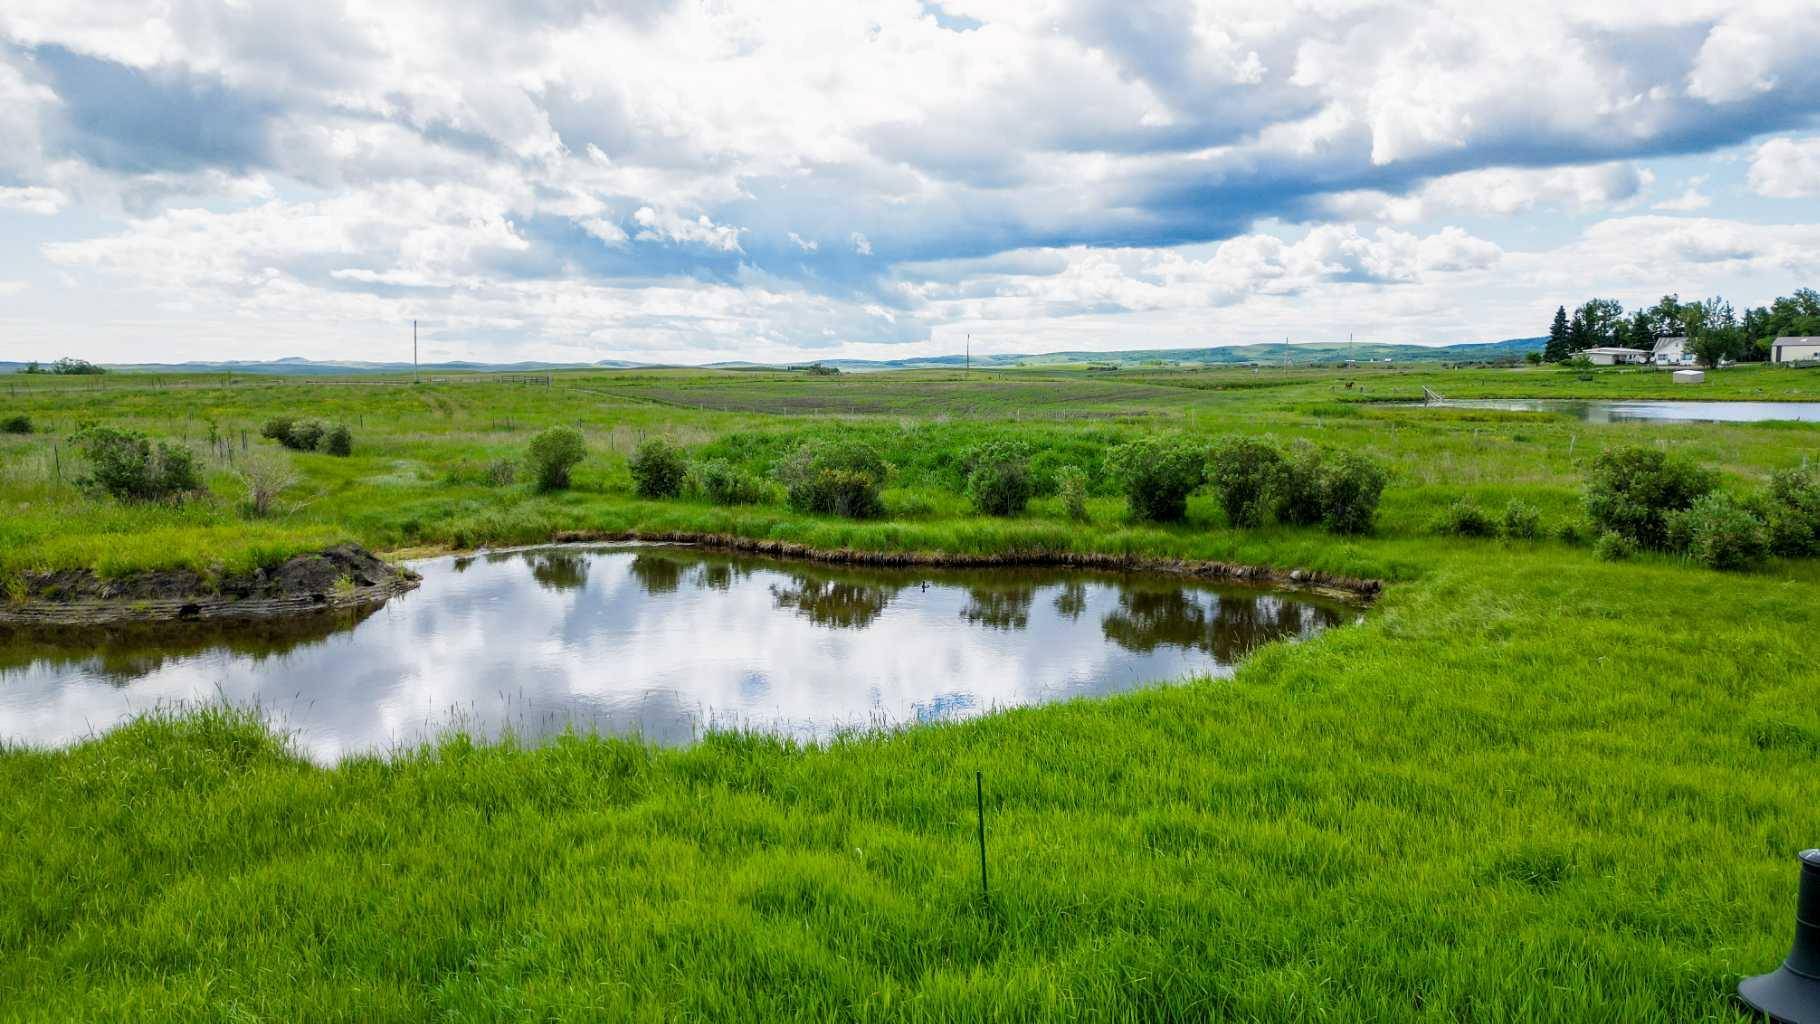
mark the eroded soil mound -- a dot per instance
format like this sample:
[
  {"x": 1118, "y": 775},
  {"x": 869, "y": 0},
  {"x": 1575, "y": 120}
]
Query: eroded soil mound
[{"x": 342, "y": 576}]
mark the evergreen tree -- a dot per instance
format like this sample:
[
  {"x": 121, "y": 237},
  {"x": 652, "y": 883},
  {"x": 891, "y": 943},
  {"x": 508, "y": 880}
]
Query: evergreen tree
[{"x": 1556, "y": 350}]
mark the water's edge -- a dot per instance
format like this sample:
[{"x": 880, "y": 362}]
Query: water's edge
[
  {"x": 75, "y": 614},
  {"x": 1352, "y": 589}
]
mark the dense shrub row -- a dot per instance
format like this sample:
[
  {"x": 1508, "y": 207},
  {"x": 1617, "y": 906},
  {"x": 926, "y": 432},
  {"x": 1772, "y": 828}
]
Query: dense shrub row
[
  {"x": 1643, "y": 498},
  {"x": 1255, "y": 480},
  {"x": 309, "y": 435}
]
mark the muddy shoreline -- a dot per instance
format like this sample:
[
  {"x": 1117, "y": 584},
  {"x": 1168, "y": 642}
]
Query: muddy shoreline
[
  {"x": 350, "y": 577},
  {"x": 1346, "y": 588},
  {"x": 345, "y": 576}
]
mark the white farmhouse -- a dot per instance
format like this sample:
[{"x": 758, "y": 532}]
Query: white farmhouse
[
  {"x": 1789, "y": 350},
  {"x": 1672, "y": 352},
  {"x": 1612, "y": 355}
]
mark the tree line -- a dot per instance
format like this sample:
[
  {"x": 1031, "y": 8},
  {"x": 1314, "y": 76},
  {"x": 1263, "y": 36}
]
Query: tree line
[{"x": 1714, "y": 330}]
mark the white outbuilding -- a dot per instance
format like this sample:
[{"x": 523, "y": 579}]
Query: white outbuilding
[
  {"x": 1690, "y": 376},
  {"x": 1613, "y": 355},
  {"x": 1672, "y": 352},
  {"x": 1791, "y": 350}
]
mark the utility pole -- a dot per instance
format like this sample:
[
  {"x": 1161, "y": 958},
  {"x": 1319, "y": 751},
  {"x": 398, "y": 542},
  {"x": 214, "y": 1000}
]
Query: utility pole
[
  {"x": 969, "y": 372},
  {"x": 414, "y": 349}
]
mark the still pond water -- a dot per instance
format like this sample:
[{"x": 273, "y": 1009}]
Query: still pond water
[
  {"x": 1662, "y": 411},
  {"x": 662, "y": 642}
]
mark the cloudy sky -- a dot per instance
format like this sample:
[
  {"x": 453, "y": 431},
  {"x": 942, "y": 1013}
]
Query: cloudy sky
[{"x": 693, "y": 181}]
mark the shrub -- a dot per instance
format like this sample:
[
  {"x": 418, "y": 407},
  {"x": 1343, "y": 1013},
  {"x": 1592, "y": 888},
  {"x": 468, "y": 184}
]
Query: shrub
[
  {"x": 1570, "y": 532},
  {"x": 1298, "y": 485},
  {"x": 16, "y": 424},
  {"x": 266, "y": 474},
  {"x": 1351, "y": 485},
  {"x": 1157, "y": 474},
  {"x": 1522, "y": 521},
  {"x": 1243, "y": 472},
  {"x": 1613, "y": 546},
  {"x": 999, "y": 483},
  {"x": 501, "y": 473},
  {"x": 338, "y": 441},
  {"x": 1071, "y": 484},
  {"x": 658, "y": 469},
  {"x": 124, "y": 464},
  {"x": 306, "y": 435},
  {"x": 840, "y": 478},
  {"x": 554, "y": 452},
  {"x": 1792, "y": 512},
  {"x": 1633, "y": 489},
  {"x": 1719, "y": 533},
  {"x": 725, "y": 484},
  {"x": 278, "y": 428},
  {"x": 1464, "y": 518}
]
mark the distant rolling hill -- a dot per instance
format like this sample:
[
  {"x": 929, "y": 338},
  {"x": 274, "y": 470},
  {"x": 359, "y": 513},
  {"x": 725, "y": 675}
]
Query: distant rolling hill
[{"x": 1313, "y": 353}]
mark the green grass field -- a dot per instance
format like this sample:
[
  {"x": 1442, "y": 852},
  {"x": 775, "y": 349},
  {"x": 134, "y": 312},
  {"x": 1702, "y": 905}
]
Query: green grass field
[{"x": 1530, "y": 786}]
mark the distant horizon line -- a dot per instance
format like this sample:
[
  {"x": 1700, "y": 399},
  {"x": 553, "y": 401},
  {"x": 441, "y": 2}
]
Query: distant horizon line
[{"x": 999, "y": 358}]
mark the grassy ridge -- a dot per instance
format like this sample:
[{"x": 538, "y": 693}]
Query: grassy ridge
[{"x": 1530, "y": 786}]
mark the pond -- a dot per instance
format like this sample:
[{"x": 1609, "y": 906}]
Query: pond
[
  {"x": 1661, "y": 411},
  {"x": 662, "y": 642}
]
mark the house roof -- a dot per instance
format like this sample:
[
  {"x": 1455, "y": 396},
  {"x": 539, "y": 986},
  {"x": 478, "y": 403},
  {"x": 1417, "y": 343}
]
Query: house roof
[
  {"x": 1674, "y": 344},
  {"x": 1810, "y": 339},
  {"x": 1616, "y": 350}
]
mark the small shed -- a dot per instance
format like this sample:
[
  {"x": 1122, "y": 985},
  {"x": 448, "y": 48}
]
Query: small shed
[
  {"x": 1795, "y": 350},
  {"x": 1690, "y": 376}
]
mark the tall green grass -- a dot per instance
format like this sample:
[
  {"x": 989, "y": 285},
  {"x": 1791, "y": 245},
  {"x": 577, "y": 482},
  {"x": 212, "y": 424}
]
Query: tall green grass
[
  {"x": 1530, "y": 786},
  {"x": 1507, "y": 795}
]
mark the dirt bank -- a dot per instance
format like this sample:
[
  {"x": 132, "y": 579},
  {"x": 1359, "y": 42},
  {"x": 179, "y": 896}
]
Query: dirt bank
[{"x": 346, "y": 576}]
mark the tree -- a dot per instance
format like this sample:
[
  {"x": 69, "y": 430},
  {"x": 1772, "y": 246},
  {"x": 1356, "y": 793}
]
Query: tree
[
  {"x": 1598, "y": 321},
  {"x": 1556, "y": 349},
  {"x": 1665, "y": 317},
  {"x": 554, "y": 452},
  {"x": 1712, "y": 330},
  {"x": 1579, "y": 336}
]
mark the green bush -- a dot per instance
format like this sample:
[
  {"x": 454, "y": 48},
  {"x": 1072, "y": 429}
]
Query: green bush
[
  {"x": 1613, "y": 546},
  {"x": 554, "y": 452},
  {"x": 16, "y": 424},
  {"x": 1298, "y": 485},
  {"x": 278, "y": 428},
  {"x": 306, "y": 435},
  {"x": 1792, "y": 513},
  {"x": 1719, "y": 533},
  {"x": 1464, "y": 518},
  {"x": 1633, "y": 490},
  {"x": 1571, "y": 532},
  {"x": 1244, "y": 472},
  {"x": 1071, "y": 484},
  {"x": 1522, "y": 521},
  {"x": 125, "y": 465},
  {"x": 839, "y": 478},
  {"x": 725, "y": 484},
  {"x": 338, "y": 441},
  {"x": 999, "y": 482},
  {"x": 1351, "y": 485},
  {"x": 1157, "y": 474},
  {"x": 658, "y": 469}
]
